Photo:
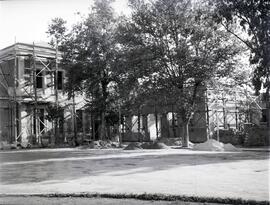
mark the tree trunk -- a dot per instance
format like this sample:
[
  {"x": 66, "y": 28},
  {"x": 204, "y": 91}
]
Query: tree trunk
[
  {"x": 268, "y": 111},
  {"x": 119, "y": 125},
  {"x": 56, "y": 132},
  {"x": 93, "y": 127},
  {"x": 103, "y": 127},
  {"x": 74, "y": 118},
  {"x": 139, "y": 125},
  {"x": 173, "y": 122},
  {"x": 185, "y": 134}
]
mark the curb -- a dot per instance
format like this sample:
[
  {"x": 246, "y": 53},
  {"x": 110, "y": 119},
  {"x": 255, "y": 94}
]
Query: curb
[{"x": 147, "y": 197}]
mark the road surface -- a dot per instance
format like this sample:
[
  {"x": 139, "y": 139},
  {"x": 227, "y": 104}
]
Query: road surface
[{"x": 175, "y": 171}]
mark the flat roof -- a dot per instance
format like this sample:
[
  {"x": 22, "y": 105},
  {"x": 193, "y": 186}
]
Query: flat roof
[{"x": 24, "y": 49}]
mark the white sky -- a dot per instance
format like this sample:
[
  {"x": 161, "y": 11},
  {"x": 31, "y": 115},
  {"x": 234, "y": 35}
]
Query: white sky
[{"x": 27, "y": 21}]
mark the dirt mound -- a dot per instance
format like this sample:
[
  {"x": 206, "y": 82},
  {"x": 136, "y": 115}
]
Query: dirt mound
[
  {"x": 133, "y": 146},
  {"x": 155, "y": 145},
  {"x": 230, "y": 147},
  {"x": 213, "y": 145},
  {"x": 171, "y": 141}
]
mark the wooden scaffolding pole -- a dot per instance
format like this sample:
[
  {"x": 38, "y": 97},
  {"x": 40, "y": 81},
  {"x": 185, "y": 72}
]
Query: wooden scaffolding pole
[
  {"x": 14, "y": 107},
  {"x": 35, "y": 96},
  {"x": 56, "y": 96}
]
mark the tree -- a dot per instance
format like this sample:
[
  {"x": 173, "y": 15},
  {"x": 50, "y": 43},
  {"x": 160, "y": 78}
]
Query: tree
[
  {"x": 173, "y": 49},
  {"x": 89, "y": 56},
  {"x": 254, "y": 19},
  {"x": 56, "y": 31}
]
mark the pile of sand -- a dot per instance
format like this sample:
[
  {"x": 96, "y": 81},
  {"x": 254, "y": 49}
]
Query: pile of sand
[{"x": 213, "y": 145}]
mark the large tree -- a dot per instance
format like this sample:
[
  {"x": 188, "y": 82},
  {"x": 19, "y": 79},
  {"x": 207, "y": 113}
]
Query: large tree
[
  {"x": 253, "y": 18},
  {"x": 174, "y": 48},
  {"x": 89, "y": 56}
]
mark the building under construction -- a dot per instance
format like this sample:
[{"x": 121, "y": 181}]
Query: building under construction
[
  {"x": 30, "y": 82},
  {"x": 31, "y": 93}
]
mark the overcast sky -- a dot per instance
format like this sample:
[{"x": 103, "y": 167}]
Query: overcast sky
[{"x": 27, "y": 20}]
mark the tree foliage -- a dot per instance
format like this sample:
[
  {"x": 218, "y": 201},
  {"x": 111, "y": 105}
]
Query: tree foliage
[
  {"x": 56, "y": 30},
  {"x": 254, "y": 19},
  {"x": 166, "y": 53},
  {"x": 172, "y": 50},
  {"x": 89, "y": 56}
]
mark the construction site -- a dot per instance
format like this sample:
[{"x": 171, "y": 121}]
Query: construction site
[{"x": 35, "y": 110}]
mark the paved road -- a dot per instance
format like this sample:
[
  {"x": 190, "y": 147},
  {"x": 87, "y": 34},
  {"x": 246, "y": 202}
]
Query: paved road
[{"x": 176, "y": 172}]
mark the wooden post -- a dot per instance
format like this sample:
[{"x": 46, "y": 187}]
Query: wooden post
[
  {"x": 56, "y": 94},
  {"x": 15, "y": 97},
  {"x": 35, "y": 96}
]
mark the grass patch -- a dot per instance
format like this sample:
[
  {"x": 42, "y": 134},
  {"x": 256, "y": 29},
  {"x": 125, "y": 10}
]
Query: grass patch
[{"x": 151, "y": 197}]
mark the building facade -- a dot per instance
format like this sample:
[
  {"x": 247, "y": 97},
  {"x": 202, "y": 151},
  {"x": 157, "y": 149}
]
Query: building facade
[
  {"x": 32, "y": 91},
  {"x": 31, "y": 82}
]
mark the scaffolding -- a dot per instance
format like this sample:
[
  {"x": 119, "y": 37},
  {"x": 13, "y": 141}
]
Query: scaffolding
[
  {"x": 30, "y": 62},
  {"x": 232, "y": 110}
]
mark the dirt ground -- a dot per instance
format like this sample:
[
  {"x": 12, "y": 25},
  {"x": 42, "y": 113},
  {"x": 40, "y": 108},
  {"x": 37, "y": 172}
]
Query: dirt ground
[{"x": 172, "y": 171}]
